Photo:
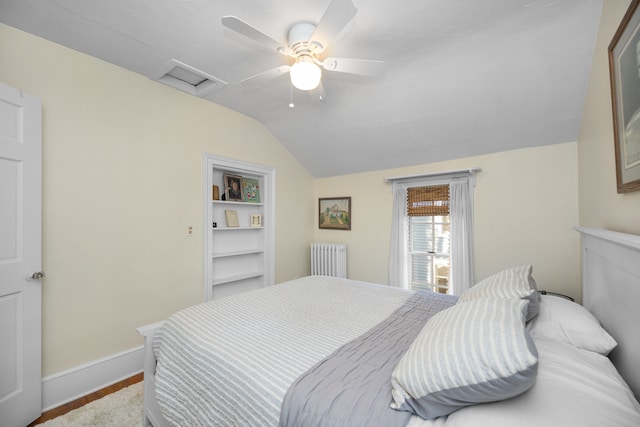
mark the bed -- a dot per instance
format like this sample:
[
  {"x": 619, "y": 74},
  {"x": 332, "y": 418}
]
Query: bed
[{"x": 327, "y": 351}]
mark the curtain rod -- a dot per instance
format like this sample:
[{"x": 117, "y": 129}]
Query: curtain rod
[{"x": 471, "y": 171}]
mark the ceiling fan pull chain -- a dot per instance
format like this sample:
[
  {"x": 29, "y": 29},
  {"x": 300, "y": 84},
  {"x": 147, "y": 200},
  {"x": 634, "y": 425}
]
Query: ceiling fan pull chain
[{"x": 291, "y": 105}]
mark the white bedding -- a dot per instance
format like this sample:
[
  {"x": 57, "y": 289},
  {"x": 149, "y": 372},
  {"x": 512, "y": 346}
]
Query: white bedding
[
  {"x": 574, "y": 387},
  {"x": 266, "y": 334},
  {"x": 264, "y": 340}
]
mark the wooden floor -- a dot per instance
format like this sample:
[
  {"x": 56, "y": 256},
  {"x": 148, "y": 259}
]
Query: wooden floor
[{"x": 61, "y": 410}]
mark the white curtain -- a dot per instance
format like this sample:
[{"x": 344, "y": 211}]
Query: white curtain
[
  {"x": 461, "y": 214},
  {"x": 399, "y": 234}
]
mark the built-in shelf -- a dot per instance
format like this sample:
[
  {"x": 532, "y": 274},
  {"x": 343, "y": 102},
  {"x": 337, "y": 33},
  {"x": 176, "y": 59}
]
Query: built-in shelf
[
  {"x": 224, "y": 202},
  {"x": 236, "y": 278},
  {"x": 238, "y": 259},
  {"x": 236, "y": 228},
  {"x": 237, "y": 253}
]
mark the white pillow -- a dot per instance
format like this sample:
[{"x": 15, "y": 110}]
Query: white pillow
[
  {"x": 574, "y": 387},
  {"x": 516, "y": 282},
  {"x": 563, "y": 320},
  {"x": 473, "y": 352}
]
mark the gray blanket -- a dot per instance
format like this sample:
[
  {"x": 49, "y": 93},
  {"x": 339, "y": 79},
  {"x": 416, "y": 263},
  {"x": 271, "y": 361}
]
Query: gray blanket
[{"x": 352, "y": 386}]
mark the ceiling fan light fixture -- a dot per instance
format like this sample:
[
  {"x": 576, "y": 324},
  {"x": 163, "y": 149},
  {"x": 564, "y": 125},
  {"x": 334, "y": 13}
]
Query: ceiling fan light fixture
[{"x": 305, "y": 73}]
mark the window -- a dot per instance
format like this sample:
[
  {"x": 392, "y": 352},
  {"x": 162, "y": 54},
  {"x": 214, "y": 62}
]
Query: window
[
  {"x": 432, "y": 231},
  {"x": 429, "y": 255},
  {"x": 429, "y": 252}
]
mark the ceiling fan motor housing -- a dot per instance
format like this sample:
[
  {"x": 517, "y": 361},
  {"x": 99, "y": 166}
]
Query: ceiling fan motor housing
[{"x": 300, "y": 39}]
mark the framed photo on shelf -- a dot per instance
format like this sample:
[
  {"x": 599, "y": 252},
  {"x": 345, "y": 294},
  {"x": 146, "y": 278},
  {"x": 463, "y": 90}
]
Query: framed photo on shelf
[
  {"x": 232, "y": 187},
  {"x": 256, "y": 220},
  {"x": 624, "y": 67},
  {"x": 334, "y": 213},
  {"x": 251, "y": 190}
]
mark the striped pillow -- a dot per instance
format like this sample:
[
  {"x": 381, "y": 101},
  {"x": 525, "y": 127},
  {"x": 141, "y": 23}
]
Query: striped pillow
[
  {"x": 473, "y": 352},
  {"x": 516, "y": 282}
]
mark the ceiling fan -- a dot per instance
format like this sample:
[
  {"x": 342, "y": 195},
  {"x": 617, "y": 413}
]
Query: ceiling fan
[{"x": 306, "y": 43}]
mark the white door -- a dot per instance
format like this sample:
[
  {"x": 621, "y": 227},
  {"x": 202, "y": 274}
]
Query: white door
[{"x": 20, "y": 257}]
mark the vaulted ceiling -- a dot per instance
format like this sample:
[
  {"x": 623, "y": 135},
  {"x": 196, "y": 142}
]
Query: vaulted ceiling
[{"x": 463, "y": 77}]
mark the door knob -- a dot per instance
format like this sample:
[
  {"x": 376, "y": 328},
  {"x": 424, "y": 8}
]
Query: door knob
[{"x": 36, "y": 276}]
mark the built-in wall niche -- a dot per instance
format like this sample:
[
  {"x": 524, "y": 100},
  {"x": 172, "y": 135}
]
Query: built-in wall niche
[{"x": 239, "y": 229}]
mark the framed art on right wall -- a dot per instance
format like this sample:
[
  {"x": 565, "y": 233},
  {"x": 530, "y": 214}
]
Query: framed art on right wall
[{"x": 624, "y": 66}]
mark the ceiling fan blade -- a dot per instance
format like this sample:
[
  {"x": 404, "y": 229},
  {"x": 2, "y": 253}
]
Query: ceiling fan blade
[
  {"x": 365, "y": 67},
  {"x": 239, "y": 26},
  {"x": 259, "y": 79},
  {"x": 338, "y": 14}
]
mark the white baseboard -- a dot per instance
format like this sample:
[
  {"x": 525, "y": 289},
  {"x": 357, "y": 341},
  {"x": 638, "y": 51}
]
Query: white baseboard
[{"x": 77, "y": 382}]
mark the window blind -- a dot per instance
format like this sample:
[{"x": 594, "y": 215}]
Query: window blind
[{"x": 428, "y": 201}]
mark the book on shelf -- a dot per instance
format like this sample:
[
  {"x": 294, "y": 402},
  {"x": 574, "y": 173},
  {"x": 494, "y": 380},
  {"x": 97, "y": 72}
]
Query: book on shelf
[
  {"x": 232, "y": 218},
  {"x": 251, "y": 190}
]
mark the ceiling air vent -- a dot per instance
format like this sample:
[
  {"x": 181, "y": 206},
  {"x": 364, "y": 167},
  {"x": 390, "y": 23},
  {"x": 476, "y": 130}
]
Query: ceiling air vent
[{"x": 187, "y": 79}]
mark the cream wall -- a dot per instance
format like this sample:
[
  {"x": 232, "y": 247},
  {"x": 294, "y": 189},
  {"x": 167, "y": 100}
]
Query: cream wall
[
  {"x": 526, "y": 206},
  {"x": 122, "y": 181},
  {"x": 600, "y": 205}
]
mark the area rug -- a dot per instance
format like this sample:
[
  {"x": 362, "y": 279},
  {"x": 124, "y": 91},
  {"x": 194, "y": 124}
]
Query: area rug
[{"x": 120, "y": 409}]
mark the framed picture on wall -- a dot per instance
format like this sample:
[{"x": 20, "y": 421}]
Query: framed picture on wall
[
  {"x": 334, "y": 213},
  {"x": 624, "y": 66},
  {"x": 232, "y": 187}
]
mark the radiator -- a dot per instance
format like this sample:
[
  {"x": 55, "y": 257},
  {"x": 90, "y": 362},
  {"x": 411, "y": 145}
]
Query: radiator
[{"x": 329, "y": 259}]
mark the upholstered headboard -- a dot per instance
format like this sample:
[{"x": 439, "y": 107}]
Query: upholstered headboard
[{"x": 611, "y": 291}]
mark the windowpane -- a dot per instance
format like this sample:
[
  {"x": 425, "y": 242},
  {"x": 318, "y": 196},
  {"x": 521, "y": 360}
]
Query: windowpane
[
  {"x": 422, "y": 234},
  {"x": 420, "y": 268},
  {"x": 441, "y": 238},
  {"x": 441, "y": 274},
  {"x": 429, "y": 250},
  {"x": 441, "y": 219}
]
